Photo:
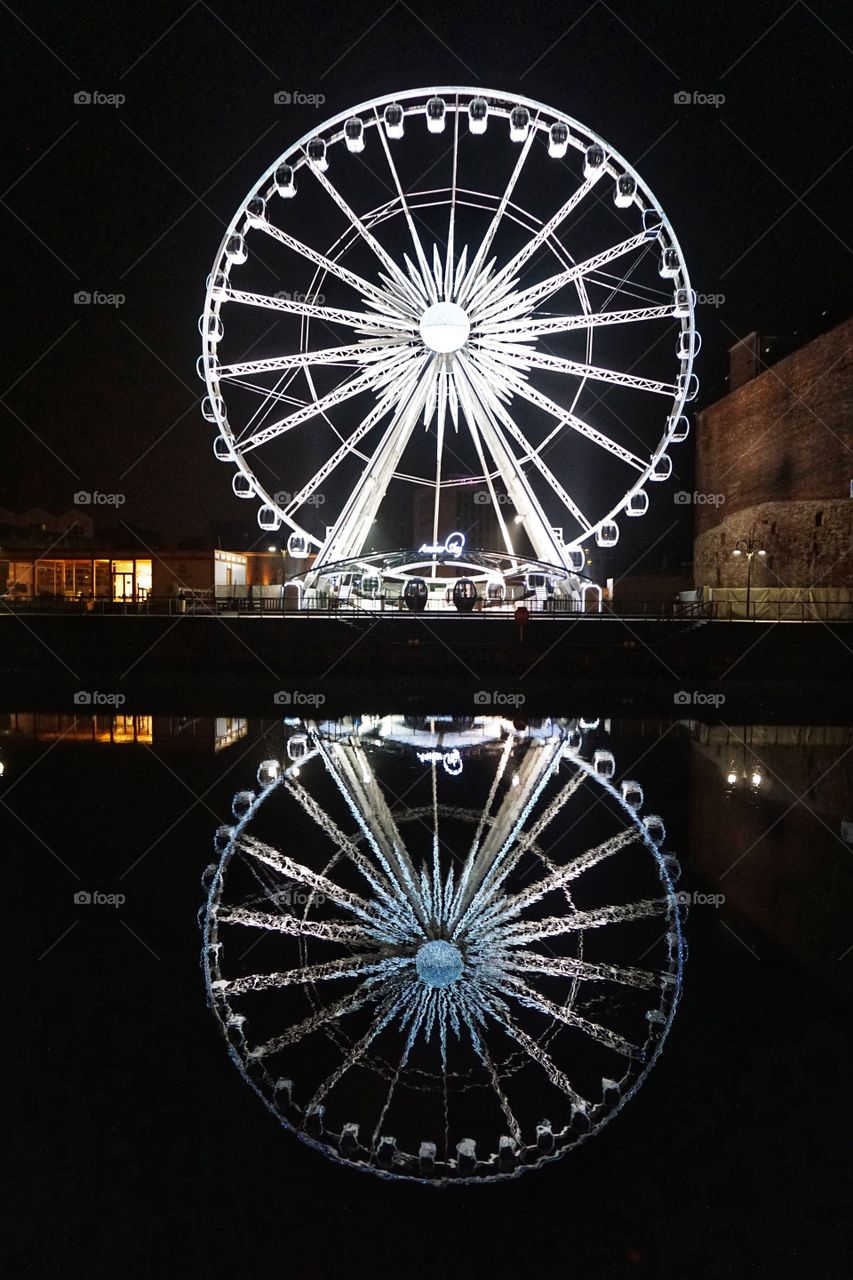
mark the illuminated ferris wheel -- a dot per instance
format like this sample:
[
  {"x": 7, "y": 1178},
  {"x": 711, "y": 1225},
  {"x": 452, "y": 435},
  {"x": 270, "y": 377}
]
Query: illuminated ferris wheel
[
  {"x": 458, "y": 292},
  {"x": 455, "y": 988}
]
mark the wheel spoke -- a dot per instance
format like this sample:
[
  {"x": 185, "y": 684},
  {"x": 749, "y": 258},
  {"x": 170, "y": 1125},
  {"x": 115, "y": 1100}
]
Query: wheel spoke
[
  {"x": 361, "y": 320},
  {"x": 475, "y": 269},
  {"x": 519, "y": 303},
  {"x": 526, "y": 329}
]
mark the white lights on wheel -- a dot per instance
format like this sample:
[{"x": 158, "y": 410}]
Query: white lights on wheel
[{"x": 370, "y": 328}]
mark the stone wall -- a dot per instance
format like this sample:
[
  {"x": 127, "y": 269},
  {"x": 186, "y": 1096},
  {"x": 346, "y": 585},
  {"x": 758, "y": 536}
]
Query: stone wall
[{"x": 780, "y": 452}]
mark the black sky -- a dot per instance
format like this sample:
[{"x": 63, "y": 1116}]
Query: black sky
[{"x": 133, "y": 199}]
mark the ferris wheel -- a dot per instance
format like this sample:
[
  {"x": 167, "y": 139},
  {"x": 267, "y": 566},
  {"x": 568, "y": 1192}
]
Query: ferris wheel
[
  {"x": 459, "y": 293},
  {"x": 457, "y": 988}
]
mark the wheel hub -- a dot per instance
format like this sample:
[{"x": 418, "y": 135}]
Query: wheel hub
[
  {"x": 438, "y": 963},
  {"x": 445, "y": 327}
]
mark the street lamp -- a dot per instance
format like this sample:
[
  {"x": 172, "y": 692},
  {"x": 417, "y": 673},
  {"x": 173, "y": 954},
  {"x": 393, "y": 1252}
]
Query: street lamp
[{"x": 749, "y": 547}]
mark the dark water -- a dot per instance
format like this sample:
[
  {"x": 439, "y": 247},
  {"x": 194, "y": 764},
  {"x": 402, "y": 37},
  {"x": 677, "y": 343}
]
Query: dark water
[{"x": 145, "y": 1151}]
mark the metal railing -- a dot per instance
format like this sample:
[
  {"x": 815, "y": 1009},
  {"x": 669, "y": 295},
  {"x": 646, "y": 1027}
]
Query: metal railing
[{"x": 210, "y": 604}]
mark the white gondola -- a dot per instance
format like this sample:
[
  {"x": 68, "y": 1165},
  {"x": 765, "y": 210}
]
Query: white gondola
[
  {"x": 222, "y": 450},
  {"x": 682, "y": 301},
  {"x": 354, "y": 134},
  {"x": 371, "y": 585},
  {"x": 316, "y": 150},
  {"x": 207, "y": 366},
  {"x": 688, "y": 385},
  {"x": 519, "y": 124},
  {"x": 652, "y": 224},
  {"x": 496, "y": 591},
  {"x": 210, "y": 327},
  {"x": 297, "y": 747},
  {"x": 478, "y": 115},
  {"x": 256, "y": 212},
  {"x": 212, "y": 409},
  {"x": 593, "y": 161},
  {"x": 242, "y": 485},
  {"x": 435, "y": 113},
  {"x": 577, "y": 558},
  {"x": 604, "y": 763},
  {"x": 638, "y": 503},
  {"x": 242, "y": 803},
  {"x": 558, "y": 140},
  {"x": 689, "y": 344},
  {"x": 297, "y": 546},
  {"x": 268, "y": 771},
  {"x": 220, "y": 287},
  {"x": 268, "y": 518},
  {"x": 624, "y": 191},
  {"x": 678, "y": 428},
  {"x": 662, "y": 468},
  {"x": 285, "y": 180},
  {"x": 655, "y": 829},
  {"x": 669, "y": 264},
  {"x": 235, "y": 249},
  {"x": 632, "y": 794},
  {"x": 393, "y": 117},
  {"x": 607, "y": 534}
]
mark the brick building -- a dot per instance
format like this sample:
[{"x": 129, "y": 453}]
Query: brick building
[{"x": 779, "y": 450}]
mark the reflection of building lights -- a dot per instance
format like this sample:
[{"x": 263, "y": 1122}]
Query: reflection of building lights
[
  {"x": 756, "y": 779},
  {"x": 731, "y": 779}
]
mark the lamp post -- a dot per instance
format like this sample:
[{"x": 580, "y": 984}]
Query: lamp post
[{"x": 749, "y": 547}]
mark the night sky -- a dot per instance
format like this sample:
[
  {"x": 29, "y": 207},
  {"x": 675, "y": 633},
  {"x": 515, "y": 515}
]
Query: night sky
[{"x": 132, "y": 199}]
